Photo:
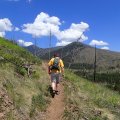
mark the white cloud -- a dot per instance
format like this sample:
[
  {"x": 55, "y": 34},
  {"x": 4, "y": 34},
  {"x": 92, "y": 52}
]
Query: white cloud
[
  {"x": 23, "y": 43},
  {"x": 72, "y": 34},
  {"x": 18, "y": 1},
  {"x": 28, "y": 44},
  {"x": 62, "y": 43},
  {"x": 105, "y": 48},
  {"x": 20, "y": 41},
  {"x": 43, "y": 23},
  {"x": 16, "y": 29},
  {"x": 5, "y": 25},
  {"x": 29, "y": 1},
  {"x": 2, "y": 34},
  {"x": 97, "y": 42},
  {"x": 13, "y": 0}
]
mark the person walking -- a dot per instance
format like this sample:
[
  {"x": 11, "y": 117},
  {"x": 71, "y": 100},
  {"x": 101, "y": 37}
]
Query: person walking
[{"x": 55, "y": 70}]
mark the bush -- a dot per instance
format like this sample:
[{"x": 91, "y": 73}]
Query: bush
[
  {"x": 35, "y": 75},
  {"x": 21, "y": 71}
]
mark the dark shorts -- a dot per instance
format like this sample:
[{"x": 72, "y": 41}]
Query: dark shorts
[{"x": 55, "y": 77}]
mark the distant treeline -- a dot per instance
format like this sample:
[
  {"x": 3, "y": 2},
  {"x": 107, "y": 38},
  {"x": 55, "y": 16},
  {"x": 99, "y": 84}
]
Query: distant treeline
[
  {"x": 110, "y": 78},
  {"x": 82, "y": 66}
]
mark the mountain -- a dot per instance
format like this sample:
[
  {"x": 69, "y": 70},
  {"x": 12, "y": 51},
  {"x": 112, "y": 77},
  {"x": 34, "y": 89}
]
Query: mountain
[
  {"x": 41, "y": 51},
  {"x": 80, "y": 58},
  {"x": 78, "y": 53},
  {"x": 28, "y": 97}
]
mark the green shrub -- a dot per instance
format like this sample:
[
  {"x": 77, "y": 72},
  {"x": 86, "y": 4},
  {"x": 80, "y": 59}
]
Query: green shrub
[
  {"x": 35, "y": 75},
  {"x": 21, "y": 71}
]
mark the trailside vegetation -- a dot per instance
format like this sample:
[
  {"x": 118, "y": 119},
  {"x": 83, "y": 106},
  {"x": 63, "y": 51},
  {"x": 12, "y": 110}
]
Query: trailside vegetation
[
  {"x": 88, "y": 100},
  {"x": 23, "y": 83}
]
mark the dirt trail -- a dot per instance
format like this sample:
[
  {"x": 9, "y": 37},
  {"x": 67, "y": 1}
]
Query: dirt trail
[{"x": 56, "y": 108}]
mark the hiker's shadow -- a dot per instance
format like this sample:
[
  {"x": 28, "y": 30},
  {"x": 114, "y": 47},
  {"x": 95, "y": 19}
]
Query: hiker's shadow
[{"x": 51, "y": 91}]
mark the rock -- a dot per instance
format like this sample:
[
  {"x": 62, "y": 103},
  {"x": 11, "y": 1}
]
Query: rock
[{"x": 1, "y": 115}]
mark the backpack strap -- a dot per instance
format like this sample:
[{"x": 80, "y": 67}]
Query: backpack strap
[{"x": 55, "y": 64}]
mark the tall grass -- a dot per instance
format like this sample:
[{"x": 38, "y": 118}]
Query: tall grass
[
  {"x": 28, "y": 94},
  {"x": 90, "y": 100},
  {"x": 16, "y": 54}
]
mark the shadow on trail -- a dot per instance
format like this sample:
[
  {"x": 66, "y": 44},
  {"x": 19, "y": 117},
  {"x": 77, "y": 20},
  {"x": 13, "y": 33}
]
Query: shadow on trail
[{"x": 51, "y": 91}]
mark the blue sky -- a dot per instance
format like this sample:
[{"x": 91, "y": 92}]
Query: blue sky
[{"x": 98, "y": 21}]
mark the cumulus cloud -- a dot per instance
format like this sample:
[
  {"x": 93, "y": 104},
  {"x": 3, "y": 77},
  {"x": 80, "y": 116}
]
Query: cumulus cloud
[
  {"x": 23, "y": 43},
  {"x": 72, "y": 34},
  {"x": 13, "y": 0},
  {"x": 105, "y": 48},
  {"x": 42, "y": 25},
  {"x": 29, "y": 1},
  {"x": 18, "y": 1},
  {"x": 5, "y": 25},
  {"x": 16, "y": 29},
  {"x": 2, "y": 34},
  {"x": 62, "y": 43},
  {"x": 97, "y": 42}
]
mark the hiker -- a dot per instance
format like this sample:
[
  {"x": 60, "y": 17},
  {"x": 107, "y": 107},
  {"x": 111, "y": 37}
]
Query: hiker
[{"x": 55, "y": 69}]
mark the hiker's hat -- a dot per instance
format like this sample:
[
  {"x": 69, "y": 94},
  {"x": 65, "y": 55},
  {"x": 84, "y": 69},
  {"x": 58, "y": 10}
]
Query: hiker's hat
[{"x": 56, "y": 55}]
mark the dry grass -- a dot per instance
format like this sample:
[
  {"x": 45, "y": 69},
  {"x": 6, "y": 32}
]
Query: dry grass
[
  {"x": 87, "y": 100},
  {"x": 22, "y": 90}
]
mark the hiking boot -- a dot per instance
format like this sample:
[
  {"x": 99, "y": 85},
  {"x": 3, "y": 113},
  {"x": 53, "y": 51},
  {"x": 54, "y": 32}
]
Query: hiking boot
[{"x": 57, "y": 92}]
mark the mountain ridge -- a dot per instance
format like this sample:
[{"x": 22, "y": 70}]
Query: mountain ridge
[
  {"x": 77, "y": 52},
  {"x": 27, "y": 97}
]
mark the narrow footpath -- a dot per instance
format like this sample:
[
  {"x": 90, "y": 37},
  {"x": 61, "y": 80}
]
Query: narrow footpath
[{"x": 56, "y": 108}]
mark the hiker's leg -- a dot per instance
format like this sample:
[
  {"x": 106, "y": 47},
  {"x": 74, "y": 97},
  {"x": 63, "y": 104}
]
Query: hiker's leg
[
  {"x": 57, "y": 86},
  {"x": 57, "y": 81},
  {"x": 53, "y": 80},
  {"x": 53, "y": 85}
]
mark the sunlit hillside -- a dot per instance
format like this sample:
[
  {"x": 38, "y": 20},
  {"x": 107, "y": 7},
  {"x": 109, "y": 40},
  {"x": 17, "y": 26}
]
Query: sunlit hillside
[{"x": 23, "y": 93}]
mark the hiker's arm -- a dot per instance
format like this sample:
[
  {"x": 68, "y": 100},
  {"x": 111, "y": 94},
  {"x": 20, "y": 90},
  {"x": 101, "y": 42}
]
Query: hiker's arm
[
  {"x": 62, "y": 67},
  {"x": 62, "y": 71},
  {"x": 49, "y": 70},
  {"x": 49, "y": 64}
]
